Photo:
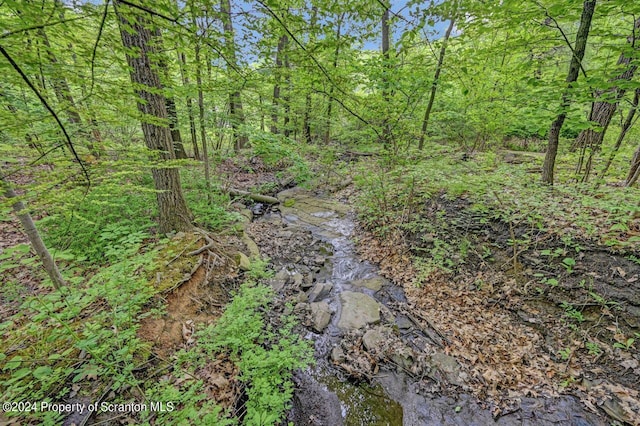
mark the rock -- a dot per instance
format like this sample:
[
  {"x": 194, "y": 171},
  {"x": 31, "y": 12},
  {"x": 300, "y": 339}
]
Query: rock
[
  {"x": 282, "y": 275},
  {"x": 297, "y": 279},
  {"x": 313, "y": 403},
  {"x": 320, "y": 315},
  {"x": 403, "y": 361},
  {"x": 404, "y": 323},
  {"x": 307, "y": 283},
  {"x": 179, "y": 236},
  {"x": 254, "y": 250},
  {"x": 246, "y": 215},
  {"x": 277, "y": 285},
  {"x": 320, "y": 291},
  {"x": 448, "y": 365},
  {"x": 337, "y": 355},
  {"x": 301, "y": 297},
  {"x": 319, "y": 260},
  {"x": 374, "y": 284},
  {"x": 372, "y": 340},
  {"x": 358, "y": 310},
  {"x": 300, "y": 308},
  {"x": 243, "y": 261}
]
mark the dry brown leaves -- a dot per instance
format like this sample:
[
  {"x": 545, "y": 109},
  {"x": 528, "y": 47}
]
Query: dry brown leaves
[{"x": 392, "y": 255}]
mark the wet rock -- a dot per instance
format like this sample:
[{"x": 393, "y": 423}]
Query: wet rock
[
  {"x": 242, "y": 261},
  {"x": 320, "y": 315},
  {"x": 374, "y": 284},
  {"x": 314, "y": 404},
  {"x": 373, "y": 340},
  {"x": 320, "y": 291},
  {"x": 358, "y": 310}
]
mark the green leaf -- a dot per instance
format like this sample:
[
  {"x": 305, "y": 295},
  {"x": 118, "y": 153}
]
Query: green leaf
[{"x": 42, "y": 372}]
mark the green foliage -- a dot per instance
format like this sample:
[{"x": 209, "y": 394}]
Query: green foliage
[
  {"x": 281, "y": 152},
  {"x": 58, "y": 347},
  {"x": 266, "y": 354}
]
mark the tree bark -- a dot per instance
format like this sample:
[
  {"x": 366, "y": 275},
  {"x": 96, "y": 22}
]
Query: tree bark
[
  {"x": 623, "y": 132},
  {"x": 138, "y": 37},
  {"x": 192, "y": 121},
  {"x": 178, "y": 147},
  {"x": 574, "y": 67},
  {"x": 336, "y": 55},
  {"x": 386, "y": 80},
  {"x": 34, "y": 237},
  {"x": 203, "y": 132},
  {"x": 236, "y": 111},
  {"x": 603, "y": 111},
  {"x": 282, "y": 44},
  {"x": 436, "y": 77}
]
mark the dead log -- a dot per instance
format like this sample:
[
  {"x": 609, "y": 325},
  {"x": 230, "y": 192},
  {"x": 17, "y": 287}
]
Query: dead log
[{"x": 255, "y": 197}]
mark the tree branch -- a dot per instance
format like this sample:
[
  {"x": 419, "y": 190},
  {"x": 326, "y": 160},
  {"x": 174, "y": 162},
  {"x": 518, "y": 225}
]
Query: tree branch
[{"x": 17, "y": 68}]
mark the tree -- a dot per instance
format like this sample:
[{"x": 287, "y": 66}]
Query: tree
[
  {"x": 602, "y": 111},
  {"x": 436, "y": 77},
  {"x": 386, "y": 76},
  {"x": 574, "y": 68},
  {"x": 34, "y": 236},
  {"x": 141, "y": 43},
  {"x": 236, "y": 111}
]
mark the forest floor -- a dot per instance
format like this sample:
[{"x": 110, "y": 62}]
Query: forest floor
[{"x": 528, "y": 308}]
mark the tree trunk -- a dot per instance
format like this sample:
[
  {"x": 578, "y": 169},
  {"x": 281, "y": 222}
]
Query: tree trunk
[
  {"x": 623, "y": 132},
  {"x": 282, "y": 44},
  {"x": 436, "y": 77},
  {"x": 178, "y": 147},
  {"x": 138, "y": 37},
  {"x": 602, "y": 112},
  {"x": 203, "y": 132},
  {"x": 574, "y": 67},
  {"x": 336, "y": 55},
  {"x": 386, "y": 82},
  {"x": 34, "y": 237},
  {"x": 236, "y": 111},
  {"x": 192, "y": 121}
]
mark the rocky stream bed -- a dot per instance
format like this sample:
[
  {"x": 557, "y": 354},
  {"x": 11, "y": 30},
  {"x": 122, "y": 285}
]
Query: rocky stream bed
[{"x": 376, "y": 361}]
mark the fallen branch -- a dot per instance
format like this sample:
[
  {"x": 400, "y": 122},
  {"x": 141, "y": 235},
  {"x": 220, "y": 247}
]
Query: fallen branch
[{"x": 255, "y": 197}]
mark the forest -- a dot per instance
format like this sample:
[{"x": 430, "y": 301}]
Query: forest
[{"x": 305, "y": 212}]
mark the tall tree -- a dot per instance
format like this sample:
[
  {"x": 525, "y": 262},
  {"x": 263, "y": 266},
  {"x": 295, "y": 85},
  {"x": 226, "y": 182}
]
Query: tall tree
[
  {"x": 277, "y": 101},
  {"x": 189, "y": 102},
  {"x": 141, "y": 43},
  {"x": 578, "y": 51},
  {"x": 436, "y": 77},
  {"x": 386, "y": 72},
  {"x": 236, "y": 111},
  {"x": 604, "y": 108}
]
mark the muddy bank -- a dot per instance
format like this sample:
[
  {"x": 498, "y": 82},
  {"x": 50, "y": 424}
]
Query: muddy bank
[{"x": 378, "y": 360}]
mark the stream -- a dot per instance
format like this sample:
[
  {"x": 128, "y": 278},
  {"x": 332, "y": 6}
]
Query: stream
[{"x": 374, "y": 366}]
